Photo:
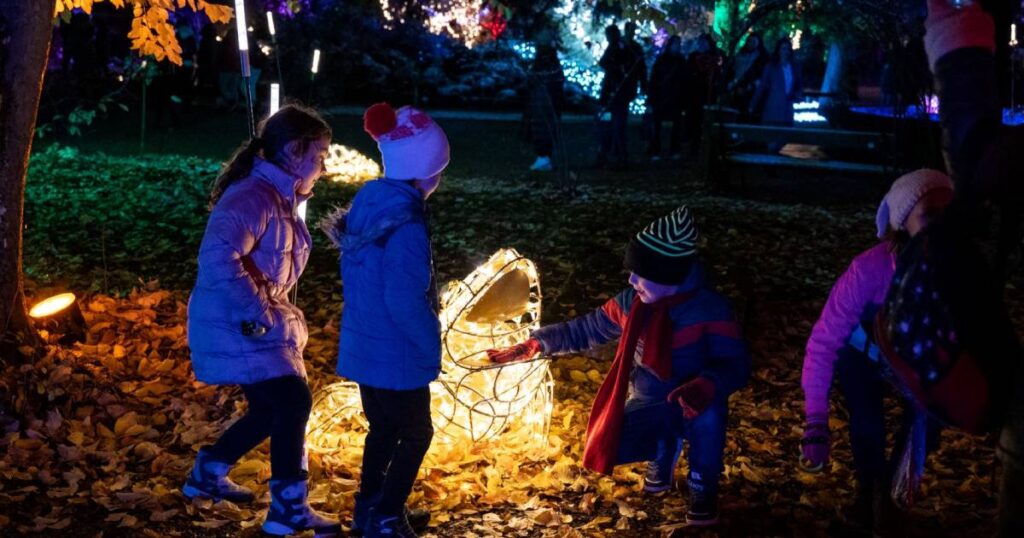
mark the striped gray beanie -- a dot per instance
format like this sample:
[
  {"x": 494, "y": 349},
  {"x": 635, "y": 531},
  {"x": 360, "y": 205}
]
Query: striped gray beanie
[{"x": 664, "y": 251}]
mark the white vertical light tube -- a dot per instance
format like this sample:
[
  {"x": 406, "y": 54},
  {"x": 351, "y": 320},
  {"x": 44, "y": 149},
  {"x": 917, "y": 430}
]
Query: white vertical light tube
[
  {"x": 315, "y": 68},
  {"x": 243, "y": 34},
  {"x": 1013, "y": 34},
  {"x": 275, "y": 98},
  {"x": 270, "y": 24}
]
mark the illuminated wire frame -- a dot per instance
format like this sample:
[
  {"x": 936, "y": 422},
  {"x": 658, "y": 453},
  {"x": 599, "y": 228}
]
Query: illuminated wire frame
[
  {"x": 346, "y": 165},
  {"x": 494, "y": 307},
  {"x": 474, "y": 399},
  {"x": 336, "y": 409}
]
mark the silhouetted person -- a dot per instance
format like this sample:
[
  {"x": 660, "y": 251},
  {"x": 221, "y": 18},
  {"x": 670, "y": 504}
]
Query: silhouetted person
[
  {"x": 665, "y": 96},
  {"x": 780, "y": 86},
  {"x": 703, "y": 65},
  {"x": 546, "y": 95},
  {"x": 618, "y": 89}
]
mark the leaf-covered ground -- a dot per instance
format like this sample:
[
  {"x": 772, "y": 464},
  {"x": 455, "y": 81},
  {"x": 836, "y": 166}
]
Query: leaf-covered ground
[{"x": 99, "y": 436}]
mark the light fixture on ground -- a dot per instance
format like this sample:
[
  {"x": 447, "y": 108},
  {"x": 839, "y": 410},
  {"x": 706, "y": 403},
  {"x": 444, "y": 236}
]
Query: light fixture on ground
[{"x": 60, "y": 315}]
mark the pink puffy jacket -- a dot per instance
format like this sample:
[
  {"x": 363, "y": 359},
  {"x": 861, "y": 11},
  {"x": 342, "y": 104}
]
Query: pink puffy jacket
[
  {"x": 254, "y": 249},
  {"x": 864, "y": 283}
]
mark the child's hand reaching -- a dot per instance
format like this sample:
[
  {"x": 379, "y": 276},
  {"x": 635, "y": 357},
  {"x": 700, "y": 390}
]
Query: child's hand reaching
[
  {"x": 518, "y": 352},
  {"x": 693, "y": 396}
]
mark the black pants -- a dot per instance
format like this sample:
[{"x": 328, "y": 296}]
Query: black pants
[
  {"x": 863, "y": 389},
  {"x": 613, "y": 135},
  {"x": 399, "y": 436},
  {"x": 278, "y": 408},
  {"x": 675, "y": 118}
]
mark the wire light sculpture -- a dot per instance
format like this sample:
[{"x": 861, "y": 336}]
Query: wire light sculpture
[
  {"x": 346, "y": 165},
  {"x": 496, "y": 306}
]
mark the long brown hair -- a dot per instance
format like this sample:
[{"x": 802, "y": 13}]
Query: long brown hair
[{"x": 291, "y": 123}]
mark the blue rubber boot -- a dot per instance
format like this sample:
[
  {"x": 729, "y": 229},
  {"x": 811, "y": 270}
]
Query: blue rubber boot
[
  {"x": 209, "y": 480},
  {"x": 290, "y": 512}
]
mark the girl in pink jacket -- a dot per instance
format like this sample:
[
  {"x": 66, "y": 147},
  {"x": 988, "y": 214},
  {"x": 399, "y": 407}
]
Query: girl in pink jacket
[
  {"x": 840, "y": 343},
  {"x": 242, "y": 328}
]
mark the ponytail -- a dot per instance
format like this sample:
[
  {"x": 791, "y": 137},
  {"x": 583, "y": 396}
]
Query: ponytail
[
  {"x": 237, "y": 167},
  {"x": 289, "y": 124}
]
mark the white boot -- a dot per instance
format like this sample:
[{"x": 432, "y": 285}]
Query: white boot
[{"x": 542, "y": 164}]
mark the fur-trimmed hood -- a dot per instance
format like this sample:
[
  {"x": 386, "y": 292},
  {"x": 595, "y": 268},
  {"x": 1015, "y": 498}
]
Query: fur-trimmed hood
[{"x": 387, "y": 213}]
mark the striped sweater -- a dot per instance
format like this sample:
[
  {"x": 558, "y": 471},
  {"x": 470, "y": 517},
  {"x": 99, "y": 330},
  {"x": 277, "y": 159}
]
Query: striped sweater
[{"x": 706, "y": 342}]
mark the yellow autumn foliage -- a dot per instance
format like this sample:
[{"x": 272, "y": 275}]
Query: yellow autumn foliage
[{"x": 151, "y": 33}]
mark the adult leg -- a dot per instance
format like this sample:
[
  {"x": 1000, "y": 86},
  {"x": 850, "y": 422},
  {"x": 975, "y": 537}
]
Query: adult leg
[
  {"x": 676, "y": 142},
  {"x": 654, "y": 144},
  {"x": 620, "y": 123}
]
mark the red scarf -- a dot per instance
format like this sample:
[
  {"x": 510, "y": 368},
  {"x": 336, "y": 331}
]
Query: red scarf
[{"x": 654, "y": 324}]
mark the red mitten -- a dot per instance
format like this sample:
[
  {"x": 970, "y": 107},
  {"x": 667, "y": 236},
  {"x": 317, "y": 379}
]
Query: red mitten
[
  {"x": 518, "y": 352},
  {"x": 693, "y": 396}
]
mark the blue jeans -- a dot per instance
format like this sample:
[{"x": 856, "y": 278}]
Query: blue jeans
[
  {"x": 863, "y": 390},
  {"x": 654, "y": 431}
]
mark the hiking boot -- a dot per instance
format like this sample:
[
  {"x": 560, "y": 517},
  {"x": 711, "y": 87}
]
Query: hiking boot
[
  {"x": 290, "y": 512},
  {"x": 418, "y": 519},
  {"x": 703, "y": 510},
  {"x": 388, "y": 526},
  {"x": 657, "y": 479},
  {"x": 209, "y": 480}
]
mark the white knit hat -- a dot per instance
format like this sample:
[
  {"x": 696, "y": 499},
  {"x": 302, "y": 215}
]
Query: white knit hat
[
  {"x": 904, "y": 195},
  {"x": 411, "y": 145}
]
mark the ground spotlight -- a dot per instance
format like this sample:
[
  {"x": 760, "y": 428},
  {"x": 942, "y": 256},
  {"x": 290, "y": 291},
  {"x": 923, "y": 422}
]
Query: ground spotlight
[{"x": 60, "y": 315}]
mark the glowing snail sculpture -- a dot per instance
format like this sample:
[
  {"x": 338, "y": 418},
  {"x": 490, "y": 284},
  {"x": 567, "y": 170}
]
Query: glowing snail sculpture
[{"x": 496, "y": 306}]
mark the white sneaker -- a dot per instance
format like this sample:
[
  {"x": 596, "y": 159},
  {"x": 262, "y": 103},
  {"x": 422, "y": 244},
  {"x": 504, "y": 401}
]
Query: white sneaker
[{"x": 542, "y": 164}]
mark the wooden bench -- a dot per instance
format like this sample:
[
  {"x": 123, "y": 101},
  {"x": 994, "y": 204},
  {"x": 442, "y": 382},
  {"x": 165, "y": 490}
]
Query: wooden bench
[{"x": 732, "y": 144}]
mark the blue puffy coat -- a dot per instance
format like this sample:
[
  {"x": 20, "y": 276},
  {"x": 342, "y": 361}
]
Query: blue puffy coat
[
  {"x": 252, "y": 253},
  {"x": 390, "y": 333}
]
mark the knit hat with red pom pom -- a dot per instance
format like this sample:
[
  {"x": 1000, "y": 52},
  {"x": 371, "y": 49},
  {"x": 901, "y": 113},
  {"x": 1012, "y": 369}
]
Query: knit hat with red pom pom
[{"x": 411, "y": 145}]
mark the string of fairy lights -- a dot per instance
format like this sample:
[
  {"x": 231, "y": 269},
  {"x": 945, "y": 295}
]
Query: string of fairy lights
[{"x": 473, "y": 400}]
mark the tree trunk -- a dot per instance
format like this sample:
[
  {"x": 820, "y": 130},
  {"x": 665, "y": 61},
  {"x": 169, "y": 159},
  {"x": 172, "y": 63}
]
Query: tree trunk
[{"x": 27, "y": 29}]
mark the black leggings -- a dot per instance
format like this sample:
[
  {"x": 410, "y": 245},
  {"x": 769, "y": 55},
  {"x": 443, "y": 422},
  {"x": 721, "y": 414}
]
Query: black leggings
[
  {"x": 399, "y": 436},
  {"x": 278, "y": 408}
]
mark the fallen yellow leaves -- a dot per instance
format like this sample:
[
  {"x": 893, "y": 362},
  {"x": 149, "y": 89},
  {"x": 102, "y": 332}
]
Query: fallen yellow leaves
[{"x": 114, "y": 423}]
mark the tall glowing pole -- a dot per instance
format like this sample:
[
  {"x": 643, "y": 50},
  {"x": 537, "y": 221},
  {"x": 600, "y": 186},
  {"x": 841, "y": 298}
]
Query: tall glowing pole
[
  {"x": 1013, "y": 70},
  {"x": 243, "y": 53},
  {"x": 314, "y": 68},
  {"x": 275, "y": 98},
  {"x": 273, "y": 42}
]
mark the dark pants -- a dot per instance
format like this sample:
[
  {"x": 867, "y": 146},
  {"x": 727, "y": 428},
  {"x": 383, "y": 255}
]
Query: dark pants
[
  {"x": 613, "y": 135},
  {"x": 399, "y": 436},
  {"x": 695, "y": 125},
  {"x": 279, "y": 409},
  {"x": 675, "y": 117},
  {"x": 863, "y": 388},
  {"x": 654, "y": 430}
]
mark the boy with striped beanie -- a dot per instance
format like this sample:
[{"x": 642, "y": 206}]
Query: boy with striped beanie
[{"x": 680, "y": 356}]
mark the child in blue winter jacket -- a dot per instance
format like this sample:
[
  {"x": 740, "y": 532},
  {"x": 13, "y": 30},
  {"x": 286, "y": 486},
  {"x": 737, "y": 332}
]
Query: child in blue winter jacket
[
  {"x": 390, "y": 334},
  {"x": 680, "y": 356},
  {"x": 243, "y": 330}
]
